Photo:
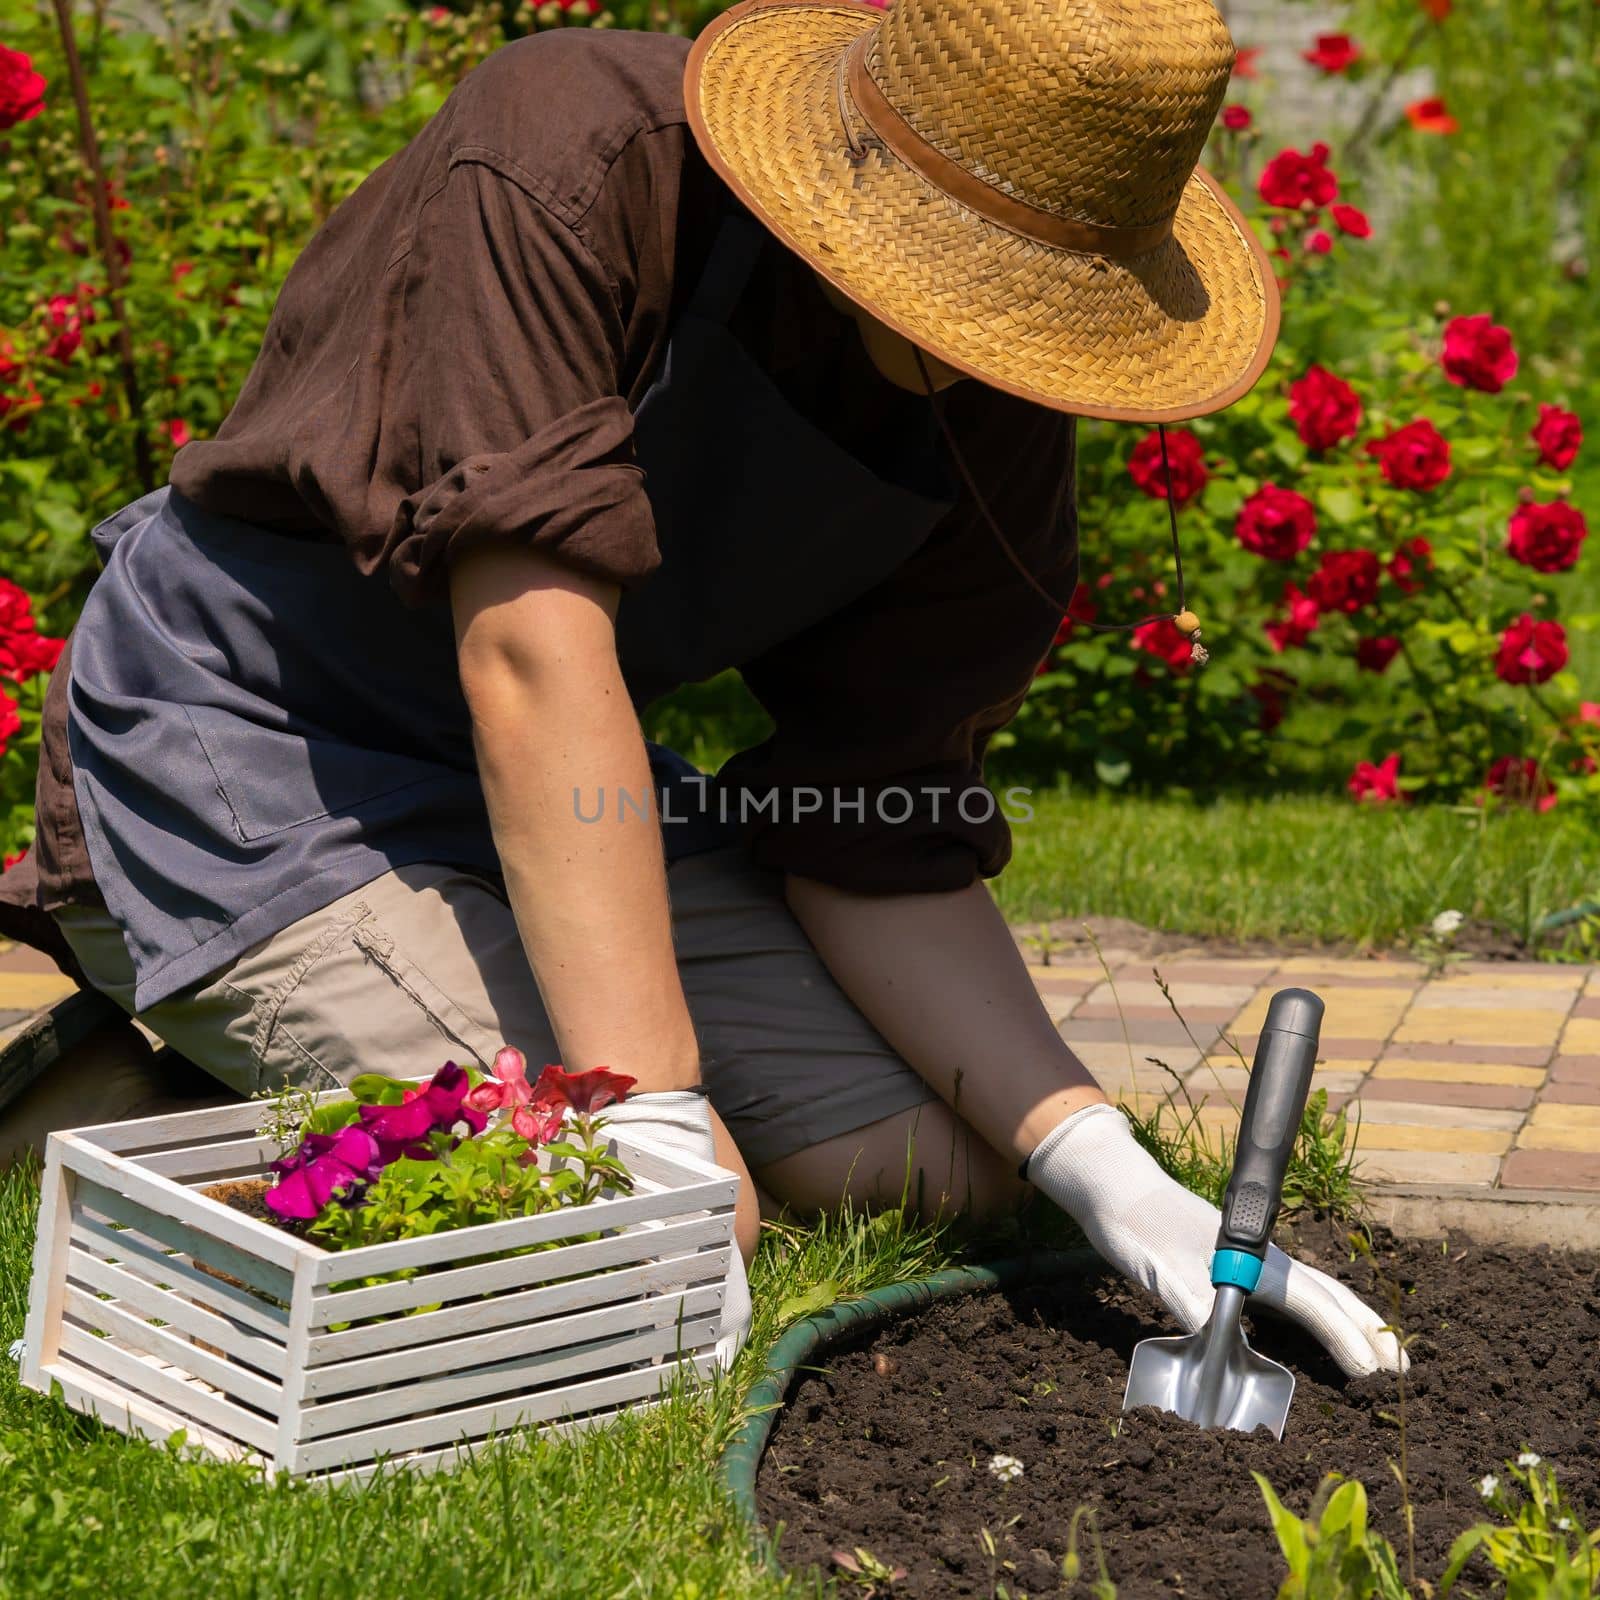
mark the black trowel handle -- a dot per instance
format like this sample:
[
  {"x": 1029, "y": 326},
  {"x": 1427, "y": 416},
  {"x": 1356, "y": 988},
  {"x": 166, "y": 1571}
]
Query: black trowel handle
[{"x": 1273, "y": 1105}]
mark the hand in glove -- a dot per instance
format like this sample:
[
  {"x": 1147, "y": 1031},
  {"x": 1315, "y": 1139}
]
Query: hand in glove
[
  {"x": 680, "y": 1119},
  {"x": 1159, "y": 1234}
]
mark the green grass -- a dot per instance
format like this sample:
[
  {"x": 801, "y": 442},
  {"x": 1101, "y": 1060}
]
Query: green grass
[
  {"x": 1294, "y": 869},
  {"x": 630, "y": 1510}
]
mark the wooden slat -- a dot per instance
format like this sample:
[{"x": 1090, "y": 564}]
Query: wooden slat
[
  {"x": 146, "y": 1300},
  {"x": 219, "y": 1158},
  {"x": 168, "y": 1389},
  {"x": 604, "y": 1215},
  {"x": 351, "y": 1305},
  {"x": 674, "y": 1168},
  {"x": 152, "y": 1191},
  {"x": 498, "y": 1311},
  {"x": 519, "y": 1377},
  {"x": 137, "y": 1414},
  {"x": 569, "y": 1400},
  {"x": 221, "y": 1253},
  {"x": 133, "y": 1332},
  {"x": 428, "y": 1361},
  {"x": 42, "y": 1331},
  {"x": 128, "y": 1245},
  {"x": 177, "y": 1127}
]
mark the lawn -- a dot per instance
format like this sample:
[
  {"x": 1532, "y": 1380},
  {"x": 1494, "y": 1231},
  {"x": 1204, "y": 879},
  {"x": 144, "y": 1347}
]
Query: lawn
[{"x": 1295, "y": 869}]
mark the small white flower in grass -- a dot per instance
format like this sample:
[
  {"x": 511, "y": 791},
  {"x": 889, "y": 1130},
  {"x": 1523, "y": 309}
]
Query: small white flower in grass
[
  {"x": 1487, "y": 1485},
  {"x": 1529, "y": 1458},
  {"x": 1006, "y": 1468},
  {"x": 17, "y": 1350},
  {"x": 1563, "y": 1524},
  {"x": 1447, "y": 924}
]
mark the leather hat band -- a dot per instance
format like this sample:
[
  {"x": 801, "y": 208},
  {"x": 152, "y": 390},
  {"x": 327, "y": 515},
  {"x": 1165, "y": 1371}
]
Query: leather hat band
[{"x": 967, "y": 189}]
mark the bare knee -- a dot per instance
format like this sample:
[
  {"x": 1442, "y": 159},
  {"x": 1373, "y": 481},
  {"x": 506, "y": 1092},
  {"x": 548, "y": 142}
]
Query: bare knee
[{"x": 927, "y": 1158}]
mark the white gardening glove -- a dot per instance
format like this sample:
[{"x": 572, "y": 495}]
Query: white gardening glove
[
  {"x": 680, "y": 1119},
  {"x": 1158, "y": 1233}
]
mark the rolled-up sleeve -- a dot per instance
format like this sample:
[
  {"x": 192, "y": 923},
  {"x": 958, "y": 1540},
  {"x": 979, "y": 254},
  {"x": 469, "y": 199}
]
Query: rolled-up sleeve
[
  {"x": 873, "y": 779},
  {"x": 513, "y": 340}
]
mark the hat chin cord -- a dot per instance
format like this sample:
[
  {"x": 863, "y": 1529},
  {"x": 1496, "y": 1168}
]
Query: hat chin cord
[{"x": 1183, "y": 618}]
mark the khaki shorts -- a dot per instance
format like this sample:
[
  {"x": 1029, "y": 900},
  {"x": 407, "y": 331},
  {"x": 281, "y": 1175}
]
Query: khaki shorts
[{"x": 424, "y": 964}]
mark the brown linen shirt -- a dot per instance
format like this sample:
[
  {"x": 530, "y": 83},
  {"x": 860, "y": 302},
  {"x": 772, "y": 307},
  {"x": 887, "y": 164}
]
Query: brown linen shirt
[{"x": 455, "y": 358}]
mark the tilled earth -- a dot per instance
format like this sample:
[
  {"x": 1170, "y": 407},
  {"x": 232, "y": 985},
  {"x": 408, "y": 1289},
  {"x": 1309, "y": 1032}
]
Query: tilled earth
[{"x": 893, "y": 1454}]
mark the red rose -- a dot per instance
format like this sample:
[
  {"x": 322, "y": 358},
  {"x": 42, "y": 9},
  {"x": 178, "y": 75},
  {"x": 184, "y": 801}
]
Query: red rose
[
  {"x": 1291, "y": 179},
  {"x": 1519, "y": 780},
  {"x": 1186, "y": 458},
  {"x": 1319, "y": 243},
  {"x": 1478, "y": 354},
  {"x": 1375, "y": 654},
  {"x": 69, "y": 315},
  {"x": 1558, "y": 434},
  {"x": 1548, "y": 537},
  {"x": 1414, "y": 555},
  {"x": 177, "y": 433},
  {"x": 1416, "y": 456},
  {"x": 1346, "y": 581},
  {"x": 21, "y": 89},
  {"x": 1271, "y": 694},
  {"x": 1351, "y": 221},
  {"x": 1276, "y": 523},
  {"x": 12, "y": 860},
  {"x": 1378, "y": 784},
  {"x": 1244, "y": 63},
  {"x": 1324, "y": 408},
  {"x": 1333, "y": 53},
  {"x": 1236, "y": 118},
  {"x": 1431, "y": 116},
  {"x": 1298, "y": 624},
  {"x": 1164, "y": 638},
  {"x": 1531, "y": 652},
  {"x": 1081, "y": 608},
  {"x": 1437, "y": 9}
]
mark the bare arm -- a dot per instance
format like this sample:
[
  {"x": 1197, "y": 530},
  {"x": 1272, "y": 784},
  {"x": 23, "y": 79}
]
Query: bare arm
[
  {"x": 550, "y": 716},
  {"x": 941, "y": 979}
]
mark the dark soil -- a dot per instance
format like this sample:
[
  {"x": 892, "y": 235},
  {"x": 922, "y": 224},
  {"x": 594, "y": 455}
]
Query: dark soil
[{"x": 892, "y": 1454}]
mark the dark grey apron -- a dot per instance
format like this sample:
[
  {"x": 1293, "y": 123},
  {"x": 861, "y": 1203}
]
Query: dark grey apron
[{"x": 257, "y": 729}]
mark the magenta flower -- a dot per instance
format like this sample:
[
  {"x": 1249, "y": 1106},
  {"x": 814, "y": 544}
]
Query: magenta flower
[
  {"x": 403, "y": 1130},
  {"x": 326, "y": 1164}
]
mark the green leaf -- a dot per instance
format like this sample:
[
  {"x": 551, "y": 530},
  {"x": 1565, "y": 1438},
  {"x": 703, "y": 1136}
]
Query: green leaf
[{"x": 817, "y": 1298}]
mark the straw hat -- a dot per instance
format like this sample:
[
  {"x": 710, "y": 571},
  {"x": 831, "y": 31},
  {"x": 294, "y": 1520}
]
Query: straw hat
[{"x": 1011, "y": 184}]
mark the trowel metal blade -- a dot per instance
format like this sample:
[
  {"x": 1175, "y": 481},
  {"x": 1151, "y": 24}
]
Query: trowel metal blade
[{"x": 1251, "y": 1392}]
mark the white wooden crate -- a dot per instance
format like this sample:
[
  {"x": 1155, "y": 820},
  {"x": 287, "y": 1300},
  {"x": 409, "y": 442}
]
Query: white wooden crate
[{"x": 126, "y": 1314}]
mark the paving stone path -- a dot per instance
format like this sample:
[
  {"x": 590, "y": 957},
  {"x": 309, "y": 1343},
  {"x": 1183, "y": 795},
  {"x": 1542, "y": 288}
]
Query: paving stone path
[{"x": 1486, "y": 1075}]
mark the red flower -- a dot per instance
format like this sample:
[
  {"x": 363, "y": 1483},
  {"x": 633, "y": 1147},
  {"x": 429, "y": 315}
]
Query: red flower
[
  {"x": 1291, "y": 179},
  {"x": 177, "y": 432},
  {"x": 1378, "y": 784},
  {"x": 508, "y": 1086},
  {"x": 1334, "y": 53},
  {"x": 1299, "y": 623},
  {"x": 1412, "y": 556},
  {"x": 1271, "y": 694},
  {"x": 1478, "y": 354},
  {"x": 10, "y": 720},
  {"x": 68, "y": 315},
  {"x": 21, "y": 89},
  {"x": 582, "y": 1091},
  {"x": 23, "y": 649},
  {"x": 1319, "y": 243},
  {"x": 1324, "y": 408},
  {"x": 1548, "y": 537},
  {"x": 1350, "y": 220},
  {"x": 12, "y": 860},
  {"x": 1431, "y": 116},
  {"x": 1185, "y": 456},
  {"x": 1416, "y": 456},
  {"x": 1437, "y": 9},
  {"x": 1236, "y": 118},
  {"x": 1558, "y": 434},
  {"x": 1276, "y": 523},
  {"x": 1346, "y": 581},
  {"x": 1244, "y": 63},
  {"x": 1588, "y": 711},
  {"x": 1164, "y": 638},
  {"x": 1519, "y": 780},
  {"x": 1531, "y": 652},
  {"x": 1081, "y": 608},
  {"x": 1375, "y": 654}
]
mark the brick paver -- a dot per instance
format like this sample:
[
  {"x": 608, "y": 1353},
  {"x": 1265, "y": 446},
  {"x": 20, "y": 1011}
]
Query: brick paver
[{"x": 1485, "y": 1076}]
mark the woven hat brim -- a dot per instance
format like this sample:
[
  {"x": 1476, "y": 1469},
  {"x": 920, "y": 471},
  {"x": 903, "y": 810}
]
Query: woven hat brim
[{"x": 1185, "y": 329}]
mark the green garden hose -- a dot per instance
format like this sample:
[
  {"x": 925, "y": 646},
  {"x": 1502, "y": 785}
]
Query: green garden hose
[{"x": 799, "y": 1344}]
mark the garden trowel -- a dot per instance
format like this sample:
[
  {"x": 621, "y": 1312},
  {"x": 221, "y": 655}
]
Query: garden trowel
[{"x": 1213, "y": 1377}]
